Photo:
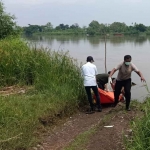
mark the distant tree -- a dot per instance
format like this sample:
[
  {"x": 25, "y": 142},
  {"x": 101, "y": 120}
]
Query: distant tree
[
  {"x": 74, "y": 26},
  {"x": 94, "y": 28},
  {"x": 32, "y": 29},
  {"x": 62, "y": 27},
  {"x": 48, "y": 27},
  {"x": 66, "y": 26},
  {"x": 140, "y": 27},
  {"x": 58, "y": 28},
  {"x": 118, "y": 27},
  {"x": 7, "y": 24},
  {"x": 103, "y": 28},
  {"x": 94, "y": 24}
]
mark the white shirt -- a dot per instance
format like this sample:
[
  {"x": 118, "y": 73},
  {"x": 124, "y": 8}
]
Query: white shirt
[{"x": 89, "y": 72}]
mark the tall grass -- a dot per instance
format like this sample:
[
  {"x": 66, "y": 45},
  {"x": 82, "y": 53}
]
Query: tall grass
[
  {"x": 140, "y": 139},
  {"x": 57, "y": 90}
]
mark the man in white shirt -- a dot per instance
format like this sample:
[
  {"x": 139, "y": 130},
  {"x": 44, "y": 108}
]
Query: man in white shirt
[
  {"x": 89, "y": 72},
  {"x": 124, "y": 79}
]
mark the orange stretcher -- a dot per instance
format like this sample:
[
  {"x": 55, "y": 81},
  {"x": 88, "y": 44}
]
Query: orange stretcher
[{"x": 106, "y": 97}]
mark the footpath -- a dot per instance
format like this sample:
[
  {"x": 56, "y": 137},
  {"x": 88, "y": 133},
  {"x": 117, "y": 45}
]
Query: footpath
[{"x": 104, "y": 130}]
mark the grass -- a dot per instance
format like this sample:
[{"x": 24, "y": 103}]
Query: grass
[
  {"x": 141, "y": 128},
  {"x": 63, "y": 32},
  {"x": 57, "y": 90},
  {"x": 81, "y": 140}
]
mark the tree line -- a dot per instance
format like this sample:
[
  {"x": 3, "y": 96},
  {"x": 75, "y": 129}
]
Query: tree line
[
  {"x": 94, "y": 28},
  {"x": 8, "y": 27}
]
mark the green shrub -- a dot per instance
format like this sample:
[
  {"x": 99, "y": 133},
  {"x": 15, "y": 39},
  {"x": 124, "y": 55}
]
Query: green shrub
[{"x": 57, "y": 90}]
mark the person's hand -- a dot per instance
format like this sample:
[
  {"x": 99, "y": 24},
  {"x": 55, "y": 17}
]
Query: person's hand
[
  {"x": 109, "y": 80},
  {"x": 142, "y": 79}
]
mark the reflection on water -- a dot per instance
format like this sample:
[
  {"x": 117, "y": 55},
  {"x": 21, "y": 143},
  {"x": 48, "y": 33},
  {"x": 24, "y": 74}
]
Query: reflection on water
[
  {"x": 81, "y": 46},
  {"x": 92, "y": 40}
]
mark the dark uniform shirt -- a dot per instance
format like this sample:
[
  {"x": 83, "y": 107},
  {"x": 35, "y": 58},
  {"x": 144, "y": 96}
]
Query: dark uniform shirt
[{"x": 102, "y": 79}]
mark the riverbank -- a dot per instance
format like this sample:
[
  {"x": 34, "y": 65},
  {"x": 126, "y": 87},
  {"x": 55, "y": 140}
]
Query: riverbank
[
  {"x": 50, "y": 86},
  {"x": 67, "y": 131},
  {"x": 140, "y": 127},
  {"x": 40, "y": 87},
  {"x": 82, "y": 33}
]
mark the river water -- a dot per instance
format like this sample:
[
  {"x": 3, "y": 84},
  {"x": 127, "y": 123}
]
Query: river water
[{"x": 80, "y": 47}]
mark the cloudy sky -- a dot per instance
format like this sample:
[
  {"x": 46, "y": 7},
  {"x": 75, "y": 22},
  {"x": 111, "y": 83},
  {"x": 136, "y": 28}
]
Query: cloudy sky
[{"x": 78, "y": 11}]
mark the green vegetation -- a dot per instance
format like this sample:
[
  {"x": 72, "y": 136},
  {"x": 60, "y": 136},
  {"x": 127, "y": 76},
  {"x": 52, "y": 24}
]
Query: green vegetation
[
  {"x": 55, "y": 89},
  {"x": 141, "y": 129},
  {"x": 7, "y": 24},
  {"x": 81, "y": 140},
  {"x": 51, "y": 82},
  {"x": 94, "y": 28}
]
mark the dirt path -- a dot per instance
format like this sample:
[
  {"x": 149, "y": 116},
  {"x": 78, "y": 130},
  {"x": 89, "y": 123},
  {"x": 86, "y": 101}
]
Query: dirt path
[{"x": 91, "y": 132}]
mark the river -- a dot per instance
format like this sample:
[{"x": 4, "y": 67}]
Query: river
[{"x": 80, "y": 47}]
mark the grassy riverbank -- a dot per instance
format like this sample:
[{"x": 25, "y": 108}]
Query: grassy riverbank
[
  {"x": 53, "y": 88},
  {"x": 141, "y": 130}
]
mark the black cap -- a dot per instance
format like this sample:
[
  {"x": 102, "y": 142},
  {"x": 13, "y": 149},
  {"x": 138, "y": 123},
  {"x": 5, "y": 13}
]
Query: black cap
[{"x": 89, "y": 59}]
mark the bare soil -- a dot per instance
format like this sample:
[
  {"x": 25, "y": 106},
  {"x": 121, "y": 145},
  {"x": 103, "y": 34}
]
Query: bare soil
[{"x": 112, "y": 126}]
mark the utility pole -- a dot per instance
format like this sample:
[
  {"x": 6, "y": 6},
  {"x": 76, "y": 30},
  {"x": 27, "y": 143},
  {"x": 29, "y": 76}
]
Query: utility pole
[{"x": 105, "y": 50}]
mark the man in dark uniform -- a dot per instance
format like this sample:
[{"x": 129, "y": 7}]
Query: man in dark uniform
[{"x": 102, "y": 79}]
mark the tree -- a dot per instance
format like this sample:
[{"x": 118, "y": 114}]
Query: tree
[
  {"x": 48, "y": 27},
  {"x": 140, "y": 27},
  {"x": 74, "y": 26},
  {"x": 62, "y": 27},
  {"x": 66, "y": 26},
  {"x": 96, "y": 28},
  {"x": 32, "y": 29},
  {"x": 118, "y": 27},
  {"x": 93, "y": 28},
  {"x": 103, "y": 28},
  {"x": 7, "y": 24}
]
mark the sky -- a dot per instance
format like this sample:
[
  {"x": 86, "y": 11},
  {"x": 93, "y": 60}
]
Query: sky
[{"x": 78, "y": 11}]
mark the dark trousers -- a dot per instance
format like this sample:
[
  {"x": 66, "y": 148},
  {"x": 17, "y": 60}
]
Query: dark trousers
[
  {"x": 127, "y": 88},
  {"x": 88, "y": 91}
]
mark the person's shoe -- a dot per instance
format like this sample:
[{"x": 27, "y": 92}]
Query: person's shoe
[
  {"x": 114, "y": 105},
  {"x": 90, "y": 111},
  {"x": 99, "y": 109},
  {"x": 128, "y": 109}
]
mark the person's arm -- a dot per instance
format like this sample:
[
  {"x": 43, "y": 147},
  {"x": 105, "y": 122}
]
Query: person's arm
[
  {"x": 110, "y": 75},
  {"x": 115, "y": 69},
  {"x": 112, "y": 72},
  {"x": 96, "y": 72},
  {"x": 141, "y": 76},
  {"x": 138, "y": 72}
]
